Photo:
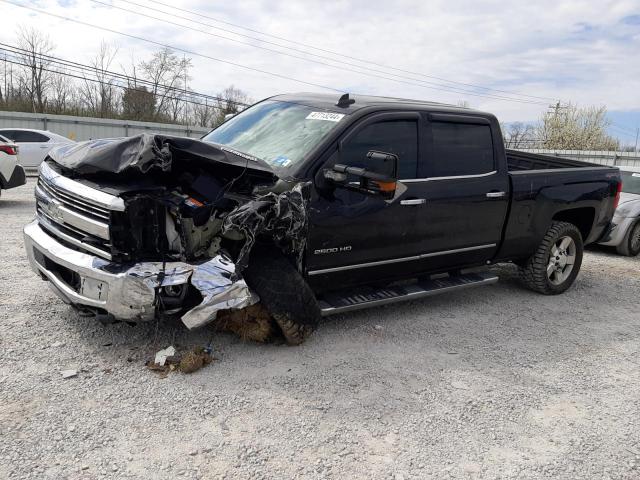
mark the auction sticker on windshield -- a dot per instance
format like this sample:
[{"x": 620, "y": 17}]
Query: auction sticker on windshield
[{"x": 327, "y": 116}]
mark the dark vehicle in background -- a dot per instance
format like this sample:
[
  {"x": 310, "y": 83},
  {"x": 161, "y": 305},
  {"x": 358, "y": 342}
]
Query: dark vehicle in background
[
  {"x": 625, "y": 231},
  {"x": 321, "y": 204}
]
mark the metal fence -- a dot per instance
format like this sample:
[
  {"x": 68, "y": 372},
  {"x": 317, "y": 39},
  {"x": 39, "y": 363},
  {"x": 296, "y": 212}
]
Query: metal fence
[
  {"x": 87, "y": 128},
  {"x": 618, "y": 159}
]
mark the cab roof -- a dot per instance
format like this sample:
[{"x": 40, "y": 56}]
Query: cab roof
[{"x": 328, "y": 101}]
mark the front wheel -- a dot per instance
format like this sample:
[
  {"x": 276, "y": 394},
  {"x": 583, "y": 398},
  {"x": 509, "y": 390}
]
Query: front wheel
[
  {"x": 284, "y": 293},
  {"x": 554, "y": 266},
  {"x": 630, "y": 246}
]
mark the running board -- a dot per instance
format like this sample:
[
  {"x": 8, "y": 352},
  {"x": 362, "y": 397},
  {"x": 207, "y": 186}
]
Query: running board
[{"x": 365, "y": 297}]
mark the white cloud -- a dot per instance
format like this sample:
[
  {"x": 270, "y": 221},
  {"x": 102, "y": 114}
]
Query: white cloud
[{"x": 572, "y": 50}]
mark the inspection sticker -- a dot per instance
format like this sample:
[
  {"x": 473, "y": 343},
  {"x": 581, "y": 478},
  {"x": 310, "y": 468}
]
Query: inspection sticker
[
  {"x": 327, "y": 116},
  {"x": 282, "y": 161}
]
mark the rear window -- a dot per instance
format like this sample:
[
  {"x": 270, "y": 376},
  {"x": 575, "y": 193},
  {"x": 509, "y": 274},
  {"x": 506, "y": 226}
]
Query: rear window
[
  {"x": 29, "y": 137},
  {"x": 460, "y": 149},
  {"x": 8, "y": 134}
]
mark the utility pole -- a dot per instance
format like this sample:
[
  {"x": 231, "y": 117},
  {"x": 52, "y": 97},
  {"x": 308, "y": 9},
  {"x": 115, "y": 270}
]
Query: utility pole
[{"x": 637, "y": 134}]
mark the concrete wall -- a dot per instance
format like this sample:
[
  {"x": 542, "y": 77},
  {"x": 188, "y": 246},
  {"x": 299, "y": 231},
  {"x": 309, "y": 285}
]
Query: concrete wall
[
  {"x": 618, "y": 159},
  {"x": 86, "y": 128}
]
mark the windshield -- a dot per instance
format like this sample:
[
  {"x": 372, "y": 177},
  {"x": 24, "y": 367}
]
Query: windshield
[
  {"x": 280, "y": 133},
  {"x": 630, "y": 182}
]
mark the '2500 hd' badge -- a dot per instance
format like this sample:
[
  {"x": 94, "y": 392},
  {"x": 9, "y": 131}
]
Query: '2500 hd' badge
[{"x": 322, "y": 251}]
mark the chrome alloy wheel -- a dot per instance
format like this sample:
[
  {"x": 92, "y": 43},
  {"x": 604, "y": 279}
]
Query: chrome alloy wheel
[{"x": 561, "y": 260}]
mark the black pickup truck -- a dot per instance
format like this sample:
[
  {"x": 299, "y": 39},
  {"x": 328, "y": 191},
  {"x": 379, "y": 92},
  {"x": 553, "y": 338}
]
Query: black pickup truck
[{"x": 311, "y": 205}]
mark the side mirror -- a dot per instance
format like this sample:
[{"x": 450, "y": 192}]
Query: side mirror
[{"x": 379, "y": 178}]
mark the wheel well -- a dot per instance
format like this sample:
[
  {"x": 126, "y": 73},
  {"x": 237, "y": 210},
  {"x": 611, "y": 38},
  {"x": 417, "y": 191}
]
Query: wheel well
[{"x": 580, "y": 217}]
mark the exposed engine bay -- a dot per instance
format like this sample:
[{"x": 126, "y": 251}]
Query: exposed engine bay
[{"x": 192, "y": 213}]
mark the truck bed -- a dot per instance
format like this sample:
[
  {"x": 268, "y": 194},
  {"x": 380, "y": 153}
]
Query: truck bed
[
  {"x": 544, "y": 184},
  {"x": 518, "y": 161}
]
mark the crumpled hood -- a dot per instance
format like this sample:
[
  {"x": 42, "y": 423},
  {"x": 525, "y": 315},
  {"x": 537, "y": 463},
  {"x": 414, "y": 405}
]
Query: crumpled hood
[{"x": 142, "y": 153}]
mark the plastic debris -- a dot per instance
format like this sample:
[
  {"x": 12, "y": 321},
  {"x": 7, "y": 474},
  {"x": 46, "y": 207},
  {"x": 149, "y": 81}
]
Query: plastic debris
[
  {"x": 69, "y": 373},
  {"x": 161, "y": 356}
]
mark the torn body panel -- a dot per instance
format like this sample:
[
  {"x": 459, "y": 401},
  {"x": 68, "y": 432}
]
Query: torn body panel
[
  {"x": 135, "y": 292},
  {"x": 187, "y": 221}
]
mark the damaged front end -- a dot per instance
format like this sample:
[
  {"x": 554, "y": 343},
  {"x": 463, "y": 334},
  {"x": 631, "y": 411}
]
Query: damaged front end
[{"x": 134, "y": 228}]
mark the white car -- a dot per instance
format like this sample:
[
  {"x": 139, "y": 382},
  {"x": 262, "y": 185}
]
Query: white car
[
  {"x": 625, "y": 231},
  {"x": 11, "y": 174},
  {"x": 34, "y": 145}
]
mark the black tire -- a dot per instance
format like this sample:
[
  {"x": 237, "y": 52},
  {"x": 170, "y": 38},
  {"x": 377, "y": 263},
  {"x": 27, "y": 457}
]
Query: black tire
[
  {"x": 534, "y": 271},
  {"x": 284, "y": 293},
  {"x": 630, "y": 246}
]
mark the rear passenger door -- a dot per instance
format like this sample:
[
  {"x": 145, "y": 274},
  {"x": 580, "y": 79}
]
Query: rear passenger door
[{"x": 465, "y": 190}]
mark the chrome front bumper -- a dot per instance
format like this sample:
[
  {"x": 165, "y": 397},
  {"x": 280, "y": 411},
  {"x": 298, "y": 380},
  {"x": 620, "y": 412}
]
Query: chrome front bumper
[{"x": 131, "y": 293}]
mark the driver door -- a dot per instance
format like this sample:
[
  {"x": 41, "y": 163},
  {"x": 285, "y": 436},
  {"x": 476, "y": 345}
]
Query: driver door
[{"x": 355, "y": 237}]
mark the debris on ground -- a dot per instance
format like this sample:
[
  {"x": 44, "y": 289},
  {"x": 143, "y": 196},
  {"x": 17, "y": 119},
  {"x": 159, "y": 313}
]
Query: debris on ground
[
  {"x": 188, "y": 362},
  {"x": 194, "y": 360},
  {"x": 161, "y": 356},
  {"x": 69, "y": 373},
  {"x": 251, "y": 323}
]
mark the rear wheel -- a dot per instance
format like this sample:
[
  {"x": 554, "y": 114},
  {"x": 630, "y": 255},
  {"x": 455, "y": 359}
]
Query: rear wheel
[
  {"x": 630, "y": 246},
  {"x": 554, "y": 266},
  {"x": 284, "y": 293}
]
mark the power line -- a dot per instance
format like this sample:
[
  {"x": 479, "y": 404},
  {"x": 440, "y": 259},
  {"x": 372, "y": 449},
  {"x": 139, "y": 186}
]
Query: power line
[
  {"x": 92, "y": 69},
  {"x": 400, "y": 78},
  {"x": 294, "y": 42},
  {"x": 623, "y": 127},
  {"x": 165, "y": 45},
  {"x": 191, "y": 52},
  {"x": 624, "y": 133},
  {"x": 15, "y": 61}
]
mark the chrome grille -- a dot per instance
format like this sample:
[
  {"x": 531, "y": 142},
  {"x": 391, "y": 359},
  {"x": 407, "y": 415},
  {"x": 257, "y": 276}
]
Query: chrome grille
[
  {"x": 73, "y": 202},
  {"x": 74, "y": 213}
]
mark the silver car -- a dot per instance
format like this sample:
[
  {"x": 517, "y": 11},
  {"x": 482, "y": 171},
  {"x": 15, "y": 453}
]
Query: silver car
[{"x": 625, "y": 234}]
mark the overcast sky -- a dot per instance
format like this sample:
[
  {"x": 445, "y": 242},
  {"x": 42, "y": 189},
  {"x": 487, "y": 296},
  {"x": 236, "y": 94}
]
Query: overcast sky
[{"x": 586, "y": 52}]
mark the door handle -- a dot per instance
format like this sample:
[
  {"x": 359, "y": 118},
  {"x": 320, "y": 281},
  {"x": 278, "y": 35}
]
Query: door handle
[
  {"x": 496, "y": 194},
  {"x": 413, "y": 201}
]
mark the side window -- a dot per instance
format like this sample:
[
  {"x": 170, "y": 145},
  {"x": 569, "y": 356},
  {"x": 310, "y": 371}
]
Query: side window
[
  {"x": 397, "y": 136},
  {"x": 29, "y": 137},
  {"x": 10, "y": 134},
  {"x": 460, "y": 149}
]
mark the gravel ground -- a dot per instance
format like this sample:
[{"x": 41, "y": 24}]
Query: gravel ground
[{"x": 494, "y": 382}]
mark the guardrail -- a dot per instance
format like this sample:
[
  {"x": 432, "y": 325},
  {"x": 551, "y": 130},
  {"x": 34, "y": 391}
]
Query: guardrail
[{"x": 87, "y": 128}]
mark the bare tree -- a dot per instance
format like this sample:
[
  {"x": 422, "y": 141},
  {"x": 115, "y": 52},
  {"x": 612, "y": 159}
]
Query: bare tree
[
  {"x": 572, "y": 128},
  {"x": 63, "y": 94},
  {"x": 520, "y": 135},
  {"x": 166, "y": 74},
  {"x": 138, "y": 103},
  {"x": 230, "y": 100},
  {"x": 203, "y": 114},
  {"x": 100, "y": 93},
  {"x": 35, "y": 78}
]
